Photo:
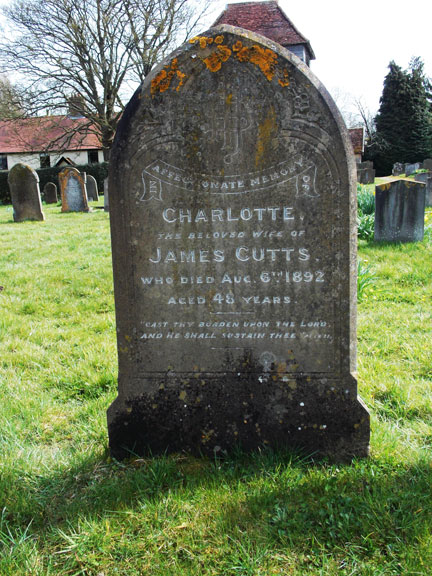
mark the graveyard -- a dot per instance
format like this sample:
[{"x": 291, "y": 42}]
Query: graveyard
[
  {"x": 230, "y": 371},
  {"x": 69, "y": 508}
]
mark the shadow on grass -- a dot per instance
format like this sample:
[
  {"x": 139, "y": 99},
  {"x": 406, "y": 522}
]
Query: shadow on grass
[{"x": 277, "y": 499}]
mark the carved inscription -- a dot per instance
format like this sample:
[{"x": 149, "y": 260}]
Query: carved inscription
[{"x": 233, "y": 264}]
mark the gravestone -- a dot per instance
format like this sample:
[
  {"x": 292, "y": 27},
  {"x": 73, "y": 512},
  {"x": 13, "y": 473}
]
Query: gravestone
[
  {"x": 427, "y": 164},
  {"x": 426, "y": 178},
  {"x": 232, "y": 210},
  {"x": 399, "y": 211},
  {"x": 73, "y": 191},
  {"x": 398, "y": 169},
  {"x": 365, "y": 172},
  {"x": 411, "y": 168},
  {"x": 25, "y": 193},
  {"x": 50, "y": 193},
  {"x": 106, "y": 198},
  {"x": 92, "y": 188}
]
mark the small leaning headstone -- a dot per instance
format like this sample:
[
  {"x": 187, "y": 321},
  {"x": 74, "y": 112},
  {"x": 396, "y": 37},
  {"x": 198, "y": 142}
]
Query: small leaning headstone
[
  {"x": 25, "y": 193},
  {"x": 399, "y": 211},
  {"x": 92, "y": 188},
  {"x": 73, "y": 191},
  {"x": 50, "y": 193},
  {"x": 232, "y": 210}
]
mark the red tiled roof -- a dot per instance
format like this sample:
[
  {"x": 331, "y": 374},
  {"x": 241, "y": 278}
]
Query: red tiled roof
[
  {"x": 357, "y": 139},
  {"x": 265, "y": 18},
  {"x": 46, "y": 133}
]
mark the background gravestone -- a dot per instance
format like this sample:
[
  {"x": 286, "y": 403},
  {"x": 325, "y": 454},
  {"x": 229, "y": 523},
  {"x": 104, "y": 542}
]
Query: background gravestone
[
  {"x": 25, "y": 193},
  {"x": 411, "y": 168},
  {"x": 398, "y": 169},
  {"x": 426, "y": 178},
  {"x": 232, "y": 210},
  {"x": 365, "y": 172},
  {"x": 427, "y": 164},
  {"x": 50, "y": 193},
  {"x": 399, "y": 211},
  {"x": 92, "y": 188},
  {"x": 106, "y": 197},
  {"x": 73, "y": 191}
]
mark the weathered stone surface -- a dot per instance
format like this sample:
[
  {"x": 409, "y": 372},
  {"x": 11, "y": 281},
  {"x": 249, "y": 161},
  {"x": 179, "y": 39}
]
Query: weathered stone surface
[
  {"x": 232, "y": 209},
  {"x": 399, "y": 211},
  {"x": 73, "y": 191},
  {"x": 398, "y": 169},
  {"x": 426, "y": 178},
  {"x": 411, "y": 168},
  {"x": 92, "y": 188},
  {"x": 427, "y": 164},
  {"x": 50, "y": 193},
  {"x": 25, "y": 193},
  {"x": 365, "y": 175}
]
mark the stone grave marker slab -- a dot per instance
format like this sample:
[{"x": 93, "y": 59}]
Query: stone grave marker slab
[
  {"x": 50, "y": 193},
  {"x": 426, "y": 178},
  {"x": 399, "y": 211},
  {"x": 106, "y": 198},
  {"x": 398, "y": 169},
  {"x": 427, "y": 164},
  {"x": 92, "y": 188},
  {"x": 25, "y": 193},
  {"x": 232, "y": 209},
  {"x": 411, "y": 168},
  {"x": 73, "y": 191}
]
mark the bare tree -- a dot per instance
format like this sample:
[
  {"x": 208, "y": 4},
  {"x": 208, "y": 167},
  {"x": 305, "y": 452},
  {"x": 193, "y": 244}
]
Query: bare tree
[
  {"x": 93, "y": 52},
  {"x": 11, "y": 101}
]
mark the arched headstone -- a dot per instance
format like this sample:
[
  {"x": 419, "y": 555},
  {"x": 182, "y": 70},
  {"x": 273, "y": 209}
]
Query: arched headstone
[
  {"x": 233, "y": 221},
  {"x": 92, "y": 188},
  {"x": 25, "y": 193},
  {"x": 73, "y": 190},
  {"x": 50, "y": 193}
]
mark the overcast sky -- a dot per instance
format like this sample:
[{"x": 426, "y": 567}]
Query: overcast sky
[{"x": 354, "y": 42}]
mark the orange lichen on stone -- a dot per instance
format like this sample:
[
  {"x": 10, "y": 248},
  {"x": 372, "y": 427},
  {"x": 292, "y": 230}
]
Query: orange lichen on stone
[
  {"x": 202, "y": 40},
  {"x": 217, "y": 58},
  {"x": 284, "y": 82},
  {"x": 237, "y": 46},
  {"x": 219, "y": 39},
  {"x": 162, "y": 81},
  {"x": 264, "y": 58}
]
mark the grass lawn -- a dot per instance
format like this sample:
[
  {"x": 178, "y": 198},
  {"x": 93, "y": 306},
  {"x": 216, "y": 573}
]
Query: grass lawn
[{"x": 66, "y": 508}]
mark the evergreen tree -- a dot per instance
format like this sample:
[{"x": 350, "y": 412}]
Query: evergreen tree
[{"x": 403, "y": 123}]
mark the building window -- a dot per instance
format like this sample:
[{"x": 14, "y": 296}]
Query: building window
[
  {"x": 45, "y": 160},
  {"x": 3, "y": 162},
  {"x": 93, "y": 156}
]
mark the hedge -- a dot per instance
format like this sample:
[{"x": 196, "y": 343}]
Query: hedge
[{"x": 98, "y": 171}]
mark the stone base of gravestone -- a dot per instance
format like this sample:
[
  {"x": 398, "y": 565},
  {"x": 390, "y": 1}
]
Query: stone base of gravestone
[
  {"x": 205, "y": 414},
  {"x": 426, "y": 178},
  {"x": 50, "y": 193},
  {"x": 398, "y": 169},
  {"x": 399, "y": 211},
  {"x": 23, "y": 184}
]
